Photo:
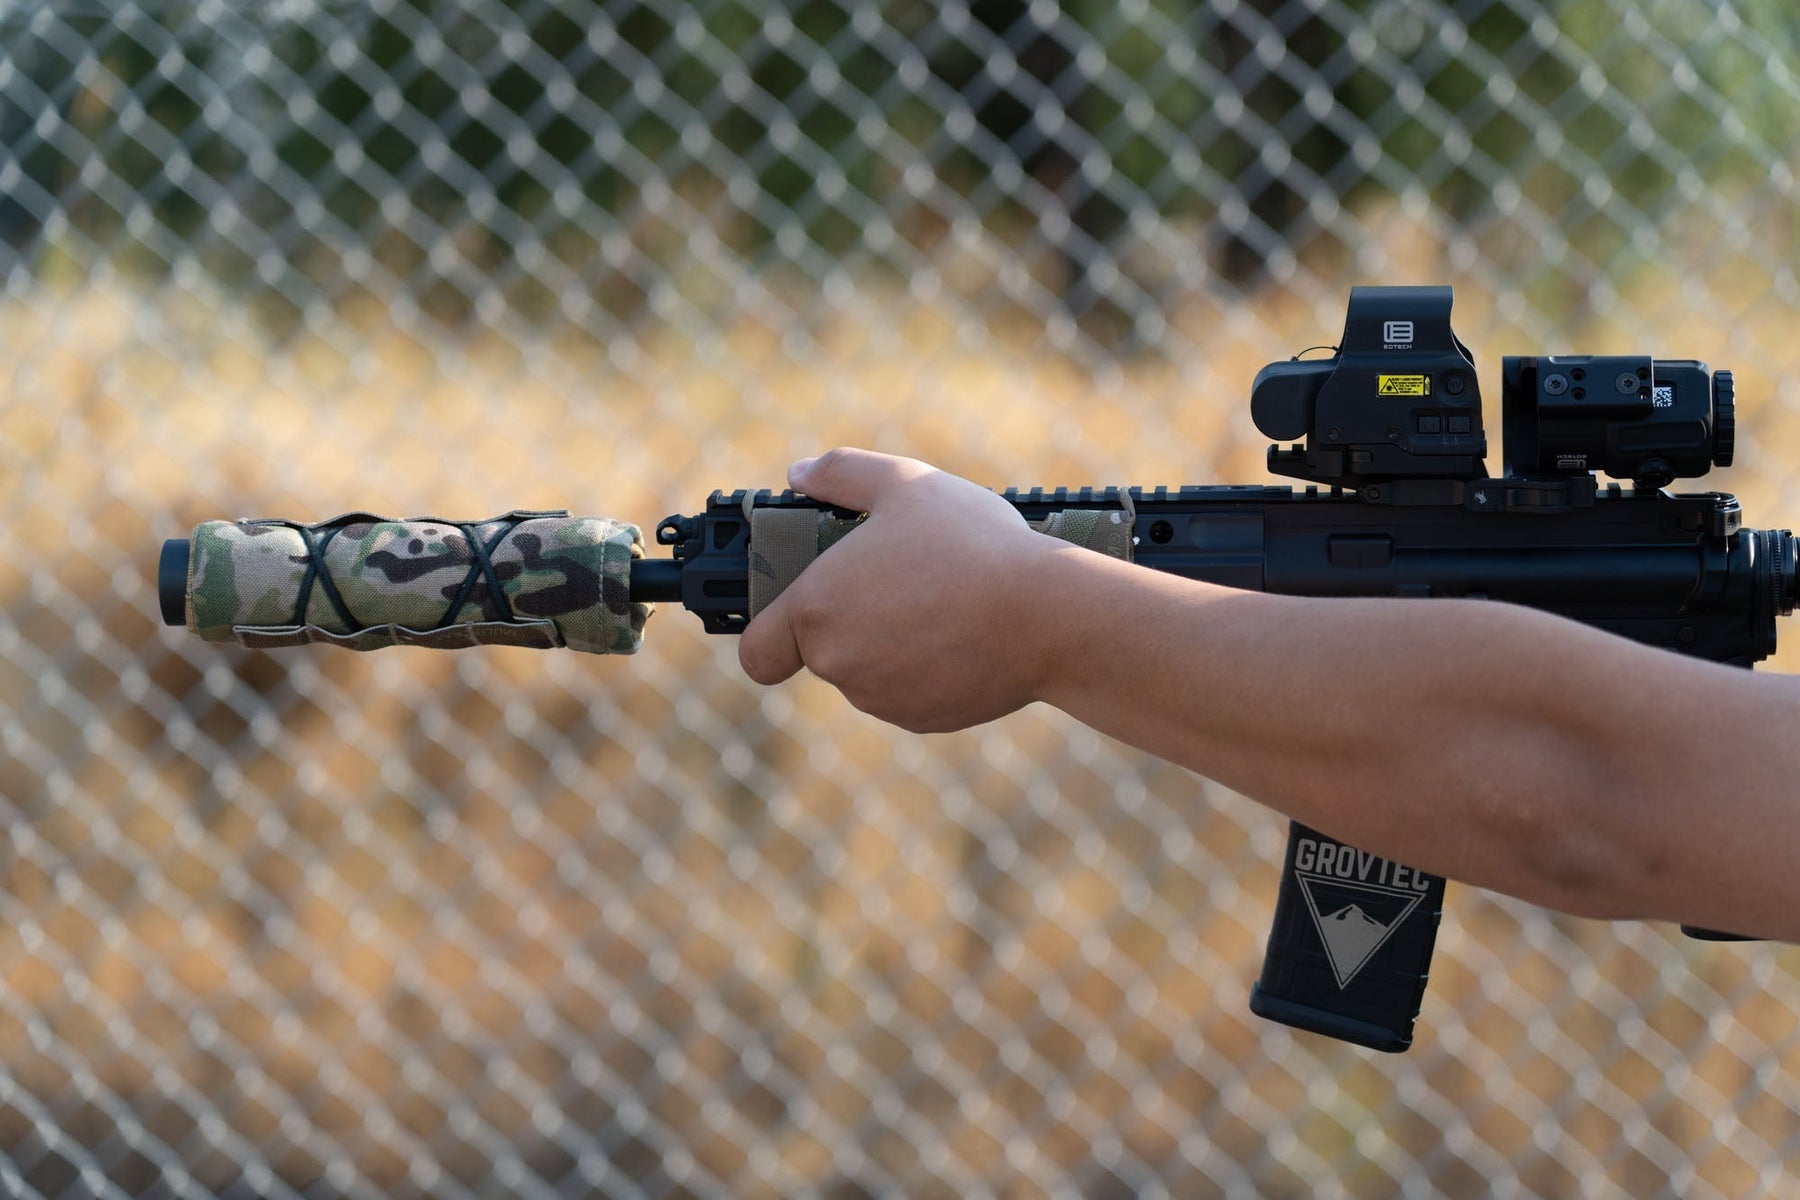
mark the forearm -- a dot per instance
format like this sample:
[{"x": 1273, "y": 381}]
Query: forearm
[{"x": 1481, "y": 741}]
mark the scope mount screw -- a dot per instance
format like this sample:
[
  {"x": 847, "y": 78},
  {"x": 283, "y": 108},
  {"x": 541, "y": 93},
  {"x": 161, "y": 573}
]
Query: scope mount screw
[
  {"x": 1556, "y": 385},
  {"x": 1627, "y": 383},
  {"x": 1331, "y": 435}
]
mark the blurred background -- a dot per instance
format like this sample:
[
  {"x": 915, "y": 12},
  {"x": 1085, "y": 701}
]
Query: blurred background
[{"x": 504, "y": 923}]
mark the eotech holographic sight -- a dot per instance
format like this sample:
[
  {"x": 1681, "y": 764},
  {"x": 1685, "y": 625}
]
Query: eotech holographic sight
[{"x": 1399, "y": 402}]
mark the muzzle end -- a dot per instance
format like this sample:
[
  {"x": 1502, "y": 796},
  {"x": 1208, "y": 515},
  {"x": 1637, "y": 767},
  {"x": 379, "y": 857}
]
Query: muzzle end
[{"x": 171, "y": 581}]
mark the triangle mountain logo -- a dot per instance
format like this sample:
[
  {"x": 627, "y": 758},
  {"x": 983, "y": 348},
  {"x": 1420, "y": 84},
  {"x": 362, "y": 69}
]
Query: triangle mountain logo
[{"x": 1354, "y": 919}]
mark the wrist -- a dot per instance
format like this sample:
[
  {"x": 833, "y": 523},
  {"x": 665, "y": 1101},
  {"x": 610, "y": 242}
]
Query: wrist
[{"x": 1054, "y": 622}]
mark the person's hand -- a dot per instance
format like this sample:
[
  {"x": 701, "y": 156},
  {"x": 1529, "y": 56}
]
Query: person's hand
[{"x": 923, "y": 615}]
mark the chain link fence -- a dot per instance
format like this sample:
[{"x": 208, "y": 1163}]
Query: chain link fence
[{"x": 507, "y": 923}]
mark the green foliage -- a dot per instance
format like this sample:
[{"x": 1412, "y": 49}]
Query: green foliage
[{"x": 476, "y": 150}]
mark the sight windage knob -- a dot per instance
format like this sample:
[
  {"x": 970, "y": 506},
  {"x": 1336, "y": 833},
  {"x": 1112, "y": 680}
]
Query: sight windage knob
[{"x": 1724, "y": 418}]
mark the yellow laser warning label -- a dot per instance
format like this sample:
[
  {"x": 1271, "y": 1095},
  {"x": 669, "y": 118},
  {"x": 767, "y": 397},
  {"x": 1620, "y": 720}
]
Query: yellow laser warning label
[{"x": 1404, "y": 385}]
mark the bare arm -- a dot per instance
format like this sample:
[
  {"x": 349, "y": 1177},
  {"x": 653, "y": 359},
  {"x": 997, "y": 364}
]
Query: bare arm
[{"x": 1485, "y": 742}]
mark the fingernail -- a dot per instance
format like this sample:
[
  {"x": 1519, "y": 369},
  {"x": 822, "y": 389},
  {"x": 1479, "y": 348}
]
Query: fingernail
[{"x": 803, "y": 466}]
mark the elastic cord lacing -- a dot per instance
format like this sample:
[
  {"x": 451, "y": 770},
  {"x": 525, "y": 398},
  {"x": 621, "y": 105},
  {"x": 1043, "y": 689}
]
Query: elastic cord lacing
[{"x": 480, "y": 567}]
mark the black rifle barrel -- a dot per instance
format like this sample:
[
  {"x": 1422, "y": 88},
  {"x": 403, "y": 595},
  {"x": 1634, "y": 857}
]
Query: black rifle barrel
[{"x": 655, "y": 581}]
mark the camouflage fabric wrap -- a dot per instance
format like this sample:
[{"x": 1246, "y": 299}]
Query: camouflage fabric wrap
[
  {"x": 783, "y": 541},
  {"x": 1103, "y": 530},
  {"x": 539, "y": 579}
]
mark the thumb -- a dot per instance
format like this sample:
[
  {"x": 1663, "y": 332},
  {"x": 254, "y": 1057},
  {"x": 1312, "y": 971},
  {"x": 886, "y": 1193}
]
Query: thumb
[
  {"x": 850, "y": 478},
  {"x": 767, "y": 649}
]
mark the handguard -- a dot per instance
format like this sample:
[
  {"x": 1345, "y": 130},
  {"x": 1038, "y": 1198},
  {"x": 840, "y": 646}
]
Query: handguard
[
  {"x": 784, "y": 541},
  {"x": 537, "y": 579}
]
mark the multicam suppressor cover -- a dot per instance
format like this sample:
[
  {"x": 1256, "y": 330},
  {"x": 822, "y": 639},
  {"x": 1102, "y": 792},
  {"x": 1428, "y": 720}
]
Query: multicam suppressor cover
[{"x": 539, "y": 579}]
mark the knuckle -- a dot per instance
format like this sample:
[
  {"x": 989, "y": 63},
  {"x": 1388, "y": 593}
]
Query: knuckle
[
  {"x": 832, "y": 669},
  {"x": 809, "y": 620},
  {"x": 751, "y": 660},
  {"x": 828, "y": 463}
]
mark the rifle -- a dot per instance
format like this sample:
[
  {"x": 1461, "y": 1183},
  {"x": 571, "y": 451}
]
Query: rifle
[{"x": 1389, "y": 441}]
